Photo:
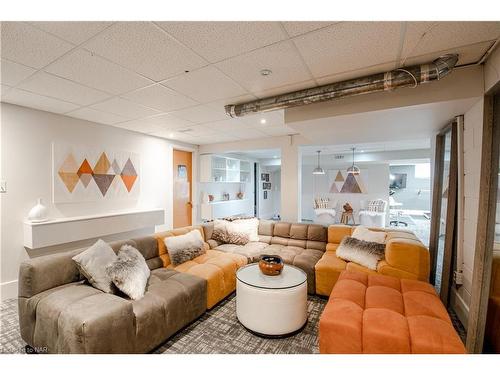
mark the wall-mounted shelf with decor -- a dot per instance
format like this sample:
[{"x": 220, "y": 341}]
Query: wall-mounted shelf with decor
[
  {"x": 71, "y": 229},
  {"x": 215, "y": 168}
]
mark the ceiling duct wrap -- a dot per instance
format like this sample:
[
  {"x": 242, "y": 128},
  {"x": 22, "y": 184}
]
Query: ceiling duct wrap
[{"x": 402, "y": 77}]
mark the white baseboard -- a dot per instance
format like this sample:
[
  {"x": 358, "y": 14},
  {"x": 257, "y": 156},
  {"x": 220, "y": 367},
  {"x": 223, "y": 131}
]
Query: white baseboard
[
  {"x": 8, "y": 290},
  {"x": 459, "y": 306}
]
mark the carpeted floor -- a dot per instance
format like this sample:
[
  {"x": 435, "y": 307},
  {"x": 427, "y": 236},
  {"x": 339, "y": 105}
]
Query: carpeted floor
[{"x": 216, "y": 332}]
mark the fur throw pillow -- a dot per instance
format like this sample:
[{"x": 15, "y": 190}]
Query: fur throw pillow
[
  {"x": 129, "y": 272},
  {"x": 185, "y": 247},
  {"x": 92, "y": 264},
  {"x": 364, "y": 234},
  {"x": 237, "y": 232},
  {"x": 365, "y": 253}
]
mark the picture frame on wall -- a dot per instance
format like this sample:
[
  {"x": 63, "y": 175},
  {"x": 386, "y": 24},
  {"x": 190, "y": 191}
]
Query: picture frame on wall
[
  {"x": 264, "y": 177},
  {"x": 266, "y": 186},
  {"x": 265, "y": 194}
]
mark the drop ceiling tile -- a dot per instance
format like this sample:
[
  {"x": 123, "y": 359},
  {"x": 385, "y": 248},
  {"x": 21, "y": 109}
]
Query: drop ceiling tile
[
  {"x": 75, "y": 32},
  {"x": 59, "y": 88},
  {"x": 4, "y": 89},
  {"x": 198, "y": 131},
  {"x": 44, "y": 103},
  {"x": 30, "y": 46},
  {"x": 348, "y": 46},
  {"x": 93, "y": 115},
  {"x": 275, "y": 131},
  {"x": 205, "y": 85},
  {"x": 155, "y": 123},
  {"x": 249, "y": 133},
  {"x": 295, "y": 28},
  {"x": 161, "y": 98},
  {"x": 272, "y": 119},
  {"x": 12, "y": 73},
  {"x": 216, "y": 41},
  {"x": 172, "y": 135},
  {"x": 446, "y": 35},
  {"x": 83, "y": 67},
  {"x": 282, "y": 59},
  {"x": 285, "y": 89},
  {"x": 211, "y": 139},
  {"x": 145, "y": 49},
  {"x": 233, "y": 125},
  {"x": 124, "y": 108},
  {"x": 200, "y": 114},
  {"x": 466, "y": 54}
]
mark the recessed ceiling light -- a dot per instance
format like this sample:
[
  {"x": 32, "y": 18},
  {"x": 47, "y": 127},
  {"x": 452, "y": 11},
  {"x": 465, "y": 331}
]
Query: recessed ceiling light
[
  {"x": 171, "y": 135},
  {"x": 263, "y": 121},
  {"x": 275, "y": 157},
  {"x": 266, "y": 72},
  {"x": 362, "y": 151}
]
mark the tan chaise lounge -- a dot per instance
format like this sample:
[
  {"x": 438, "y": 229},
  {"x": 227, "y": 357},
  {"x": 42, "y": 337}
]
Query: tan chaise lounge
[
  {"x": 405, "y": 257},
  {"x": 301, "y": 245}
]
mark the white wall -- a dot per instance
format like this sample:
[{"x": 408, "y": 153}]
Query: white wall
[
  {"x": 26, "y": 165},
  {"x": 375, "y": 178},
  {"x": 473, "y": 129}
]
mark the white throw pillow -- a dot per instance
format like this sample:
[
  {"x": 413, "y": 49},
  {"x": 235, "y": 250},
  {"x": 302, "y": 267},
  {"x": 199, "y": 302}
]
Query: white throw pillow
[
  {"x": 364, "y": 234},
  {"x": 129, "y": 272},
  {"x": 92, "y": 264},
  {"x": 184, "y": 247},
  {"x": 367, "y": 254},
  {"x": 249, "y": 226}
]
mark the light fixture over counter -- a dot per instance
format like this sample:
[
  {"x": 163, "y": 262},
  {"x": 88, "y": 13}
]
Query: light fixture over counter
[
  {"x": 353, "y": 169},
  {"x": 318, "y": 169}
]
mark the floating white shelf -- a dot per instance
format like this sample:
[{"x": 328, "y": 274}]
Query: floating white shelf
[{"x": 70, "y": 229}]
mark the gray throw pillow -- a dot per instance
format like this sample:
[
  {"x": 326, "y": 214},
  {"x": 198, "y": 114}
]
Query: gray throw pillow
[
  {"x": 129, "y": 272},
  {"x": 184, "y": 247},
  {"x": 92, "y": 264},
  {"x": 365, "y": 253}
]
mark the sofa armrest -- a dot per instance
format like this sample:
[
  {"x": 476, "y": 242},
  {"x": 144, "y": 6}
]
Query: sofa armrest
[
  {"x": 101, "y": 323},
  {"x": 46, "y": 272},
  {"x": 408, "y": 255}
]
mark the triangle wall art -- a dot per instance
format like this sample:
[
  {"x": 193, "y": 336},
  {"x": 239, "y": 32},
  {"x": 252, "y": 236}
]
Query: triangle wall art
[
  {"x": 345, "y": 183},
  {"x": 84, "y": 174}
]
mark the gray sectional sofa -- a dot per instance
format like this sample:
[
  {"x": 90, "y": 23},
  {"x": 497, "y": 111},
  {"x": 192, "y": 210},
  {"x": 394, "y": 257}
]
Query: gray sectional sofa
[{"x": 59, "y": 312}]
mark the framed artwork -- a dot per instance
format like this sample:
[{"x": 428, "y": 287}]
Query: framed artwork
[
  {"x": 265, "y": 194},
  {"x": 343, "y": 182},
  {"x": 264, "y": 177},
  {"x": 85, "y": 174},
  {"x": 266, "y": 186}
]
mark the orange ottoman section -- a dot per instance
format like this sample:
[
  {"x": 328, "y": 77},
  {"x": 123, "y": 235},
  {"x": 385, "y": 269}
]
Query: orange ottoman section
[{"x": 377, "y": 314}]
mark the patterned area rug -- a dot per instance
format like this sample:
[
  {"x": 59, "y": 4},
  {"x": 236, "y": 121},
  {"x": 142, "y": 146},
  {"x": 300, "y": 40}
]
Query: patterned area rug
[{"x": 217, "y": 331}]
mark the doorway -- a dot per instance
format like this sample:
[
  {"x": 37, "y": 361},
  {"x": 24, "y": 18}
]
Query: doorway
[{"x": 182, "y": 197}]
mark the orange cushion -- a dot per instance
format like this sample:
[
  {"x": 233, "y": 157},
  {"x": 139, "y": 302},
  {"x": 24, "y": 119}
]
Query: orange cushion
[{"x": 369, "y": 313}]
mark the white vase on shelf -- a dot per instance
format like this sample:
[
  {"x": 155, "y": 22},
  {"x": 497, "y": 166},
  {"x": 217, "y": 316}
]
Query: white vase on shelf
[{"x": 38, "y": 213}]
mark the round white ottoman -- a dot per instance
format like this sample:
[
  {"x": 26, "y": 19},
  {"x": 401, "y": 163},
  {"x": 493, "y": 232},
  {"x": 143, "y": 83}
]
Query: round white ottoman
[{"x": 271, "y": 305}]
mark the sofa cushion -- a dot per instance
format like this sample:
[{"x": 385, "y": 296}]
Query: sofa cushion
[
  {"x": 266, "y": 228},
  {"x": 298, "y": 231},
  {"x": 317, "y": 233},
  {"x": 171, "y": 301},
  {"x": 282, "y": 230},
  {"x": 380, "y": 314}
]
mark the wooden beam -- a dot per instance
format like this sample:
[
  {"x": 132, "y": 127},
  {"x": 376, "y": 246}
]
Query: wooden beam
[
  {"x": 485, "y": 225},
  {"x": 437, "y": 183},
  {"x": 449, "y": 240}
]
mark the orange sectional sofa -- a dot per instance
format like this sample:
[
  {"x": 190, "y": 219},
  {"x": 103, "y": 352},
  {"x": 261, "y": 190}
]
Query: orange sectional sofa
[
  {"x": 216, "y": 267},
  {"x": 376, "y": 314},
  {"x": 405, "y": 257}
]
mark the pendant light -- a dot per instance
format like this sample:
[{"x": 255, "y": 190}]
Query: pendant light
[
  {"x": 353, "y": 169},
  {"x": 318, "y": 169}
]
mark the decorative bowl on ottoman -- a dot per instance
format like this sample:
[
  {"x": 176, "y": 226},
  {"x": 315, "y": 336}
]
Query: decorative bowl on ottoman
[{"x": 271, "y": 265}]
